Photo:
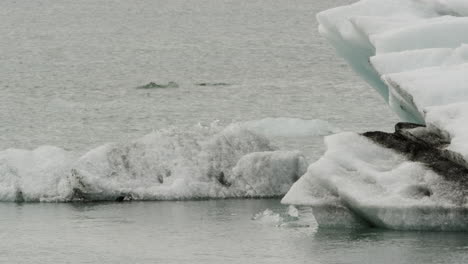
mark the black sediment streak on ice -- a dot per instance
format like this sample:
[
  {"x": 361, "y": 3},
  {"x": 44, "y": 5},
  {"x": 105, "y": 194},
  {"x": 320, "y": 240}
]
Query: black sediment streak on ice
[{"x": 426, "y": 148}]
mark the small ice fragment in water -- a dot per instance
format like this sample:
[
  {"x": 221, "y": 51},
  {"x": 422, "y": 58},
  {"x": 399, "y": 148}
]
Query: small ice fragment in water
[
  {"x": 290, "y": 219},
  {"x": 267, "y": 216},
  {"x": 292, "y": 211}
]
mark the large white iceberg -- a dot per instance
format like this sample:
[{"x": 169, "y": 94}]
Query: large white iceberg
[
  {"x": 358, "y": 182},
  {"x": 415, "y": 54},
  {"x": 198, "y": 162}
]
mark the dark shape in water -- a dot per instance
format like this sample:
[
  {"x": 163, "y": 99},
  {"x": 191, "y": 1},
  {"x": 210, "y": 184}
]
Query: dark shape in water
[
  {"x": 213, "y": 84},
  {"x": 153, "y": 85}
]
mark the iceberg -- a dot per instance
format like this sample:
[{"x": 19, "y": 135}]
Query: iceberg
[
  {"x": 414, "y": 53},
  {"x": 359, "y": 183},
  {"x": 198, "y": 162}
]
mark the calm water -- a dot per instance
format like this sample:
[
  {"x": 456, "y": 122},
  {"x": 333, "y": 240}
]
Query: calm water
[
  {"x": 69, "y": 69},
  {"x": 68, "y": 77},
  {"x": 201, "y": 232}
]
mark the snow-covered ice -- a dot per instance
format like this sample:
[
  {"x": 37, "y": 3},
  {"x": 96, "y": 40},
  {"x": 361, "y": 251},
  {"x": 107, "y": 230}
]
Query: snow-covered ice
[
  {"x": 198, "y": 162},
  {"x": 358, "y": 182},
  {"x": 415, "y": 54}
]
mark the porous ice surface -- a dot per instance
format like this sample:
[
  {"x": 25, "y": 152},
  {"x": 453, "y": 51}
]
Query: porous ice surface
[
  {"x": 359, "y": 183},
  {"x": 198, "y": 162},
  {"x": 415, "y": 54}
]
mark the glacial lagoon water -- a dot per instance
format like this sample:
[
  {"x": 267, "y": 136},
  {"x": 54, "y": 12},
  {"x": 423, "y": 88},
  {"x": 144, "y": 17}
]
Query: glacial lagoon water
[
  {"x": 70, "y": 70},
  {"x": 69, "y": 78},
  {"x": 202, "y": 232}
]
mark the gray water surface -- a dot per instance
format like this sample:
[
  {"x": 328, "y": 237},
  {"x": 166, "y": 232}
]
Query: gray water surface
[
  {"x": 202, "y": 232},
  {"x": 69, "y": 69}
]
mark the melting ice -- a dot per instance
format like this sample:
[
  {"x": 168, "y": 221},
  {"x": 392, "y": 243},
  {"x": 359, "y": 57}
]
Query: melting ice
[
  {"x": 414, "y": 53},
  {"x": 170, "y": 164}
]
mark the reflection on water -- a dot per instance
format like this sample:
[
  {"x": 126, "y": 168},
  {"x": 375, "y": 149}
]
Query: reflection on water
[{"x": 220, "y": 231}]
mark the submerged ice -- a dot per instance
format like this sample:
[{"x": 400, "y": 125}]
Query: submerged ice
[
  {"x": 292, "y": 218},
  {"x": 199, "y": 162},
  {"x": 414, "y": 53}
]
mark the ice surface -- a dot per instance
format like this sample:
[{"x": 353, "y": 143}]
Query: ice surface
[
  {"x": 453, "y": 119},
  {"x": 293, "y": 218},
  {"x": 397, "y": 37},
  {"x": 414, "y": 53},
  {"x": 198, "y": 162},
  {"x": 33, "y": 175},
  {"x": 359, "y": 183}
]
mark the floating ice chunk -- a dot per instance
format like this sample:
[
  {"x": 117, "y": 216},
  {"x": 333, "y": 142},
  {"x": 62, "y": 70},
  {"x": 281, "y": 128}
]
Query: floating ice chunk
[
  {"x": 367, "y": 184},
  {"x": 293, "y": 218},
  {"x": 169, "y": 164},
  {"x": 268, "y": 216},
  {"x": 414, "y": 53},
  {"x": 34, "y": 175},
  {"x": 259, "y": 174}
]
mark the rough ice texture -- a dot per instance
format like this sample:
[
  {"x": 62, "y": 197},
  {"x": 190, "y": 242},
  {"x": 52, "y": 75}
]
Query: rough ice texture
[
  {"x": 358, "y": 182},
  {"x": 200, "y": 162},
  {"x": 415, "y": 54}
]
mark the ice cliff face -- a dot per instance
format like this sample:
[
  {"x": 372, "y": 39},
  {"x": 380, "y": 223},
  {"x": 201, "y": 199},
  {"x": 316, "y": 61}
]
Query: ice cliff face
[
  {"x": 415, "y": 54},
  {"x": 412, "y": 52}
]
